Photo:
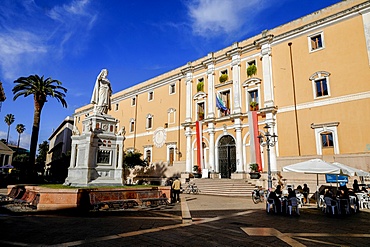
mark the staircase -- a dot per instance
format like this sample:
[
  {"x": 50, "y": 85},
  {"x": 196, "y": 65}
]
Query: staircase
[{"x": 224, "y": 187}]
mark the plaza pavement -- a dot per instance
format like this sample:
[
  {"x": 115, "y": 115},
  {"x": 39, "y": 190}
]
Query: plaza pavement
[{"x": 199, "y": 220}]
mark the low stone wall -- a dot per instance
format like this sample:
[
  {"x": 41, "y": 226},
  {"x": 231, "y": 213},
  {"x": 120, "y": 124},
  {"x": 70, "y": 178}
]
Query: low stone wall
[{"x": 78, "y": 198}]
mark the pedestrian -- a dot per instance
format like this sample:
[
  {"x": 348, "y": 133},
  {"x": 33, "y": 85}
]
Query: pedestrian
[
  {"x": 176, "y": 186},
  {"x": 306, "y": 192},
  {"x": 356, "y": 187}
]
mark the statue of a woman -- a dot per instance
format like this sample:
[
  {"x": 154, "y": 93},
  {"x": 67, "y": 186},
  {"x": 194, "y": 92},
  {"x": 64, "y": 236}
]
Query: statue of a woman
[{"x": 102, "y": 93}]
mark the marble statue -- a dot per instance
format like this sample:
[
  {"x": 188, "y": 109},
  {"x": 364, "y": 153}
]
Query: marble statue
[{"x": 102, "y": 93}]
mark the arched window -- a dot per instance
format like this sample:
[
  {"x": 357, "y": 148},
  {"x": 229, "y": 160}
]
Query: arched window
[{"x": 149, "y": 121}]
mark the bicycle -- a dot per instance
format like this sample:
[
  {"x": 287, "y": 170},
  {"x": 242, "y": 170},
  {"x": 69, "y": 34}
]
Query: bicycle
[
  {"x": 192, "y": 188},
  {"x": 259, "y": 195}
]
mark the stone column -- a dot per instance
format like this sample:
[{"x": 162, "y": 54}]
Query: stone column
[
  {"x": 189, "y": 151},
  {"x": 73, "y": 154},
  {"x": 239, "y": 146},
  {"x": 189, "y": 97},
  {"x": 267, "y": 75},
  {"x": 211, "y": 159},
  {"x": 235, "y": 63},
  {"x": 210, "y": 85}
]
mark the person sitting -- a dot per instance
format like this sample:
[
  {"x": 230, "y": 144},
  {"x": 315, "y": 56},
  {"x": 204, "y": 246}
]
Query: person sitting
[
  {"x": 299, "y": 189},
  {"x": 329, "y": 193},
  {"x": 278, "y": 191},
  {"x": 305, "y": 192},
  {"x": 275, "y": 198},
  {"x": 291, "y": 193}
]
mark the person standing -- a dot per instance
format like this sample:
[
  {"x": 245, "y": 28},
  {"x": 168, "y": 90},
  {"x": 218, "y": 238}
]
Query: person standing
[
  {"x": 306, "y": 192},
  {"x": 176, "y": 186}
]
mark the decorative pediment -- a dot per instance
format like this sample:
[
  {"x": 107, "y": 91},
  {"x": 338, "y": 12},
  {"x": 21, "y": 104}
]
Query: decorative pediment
[
  {"x": 253, "y": 81},
  {"x": 319, "y": 74},
  {"x": 200, "y": 96}
]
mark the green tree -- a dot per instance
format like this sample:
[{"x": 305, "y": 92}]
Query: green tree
[
  {"x": 9, "y": 119},
  {"x": 40, "y": 88},
  {"x": 20, "y": 129},
  {"x": 133, "y": 158},
  {"x": 41, "y": 157}
]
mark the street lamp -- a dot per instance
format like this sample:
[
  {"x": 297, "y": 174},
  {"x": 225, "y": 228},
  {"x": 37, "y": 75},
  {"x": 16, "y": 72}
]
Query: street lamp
[{"x": 267, "y": 140}]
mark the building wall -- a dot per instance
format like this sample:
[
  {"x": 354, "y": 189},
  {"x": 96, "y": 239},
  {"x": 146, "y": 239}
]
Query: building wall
[{"x": 286, "y": 71}]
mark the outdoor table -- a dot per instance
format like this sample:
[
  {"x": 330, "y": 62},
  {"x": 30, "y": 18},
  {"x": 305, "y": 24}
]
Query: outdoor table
[{"x": 341, "y": 205}]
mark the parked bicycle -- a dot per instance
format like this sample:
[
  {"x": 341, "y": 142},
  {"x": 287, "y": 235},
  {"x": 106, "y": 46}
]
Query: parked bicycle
[
  {"x": 259, "y": 195},
  {"x": 191, "y": 188}
]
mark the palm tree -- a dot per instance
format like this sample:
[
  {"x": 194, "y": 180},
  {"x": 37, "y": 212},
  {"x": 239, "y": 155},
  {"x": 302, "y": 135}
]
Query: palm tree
[
  {"x": 9, "y": 119},
  {"x": 20, "y": 129},
  {"x": 40, "y": 88}
]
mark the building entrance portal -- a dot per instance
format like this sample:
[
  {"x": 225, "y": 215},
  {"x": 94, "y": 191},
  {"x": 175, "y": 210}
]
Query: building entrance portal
[{"x": 227, "y": 156}]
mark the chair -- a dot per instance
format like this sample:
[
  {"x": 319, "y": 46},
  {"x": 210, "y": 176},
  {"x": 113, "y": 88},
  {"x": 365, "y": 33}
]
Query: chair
[
  {"x": 353, "y": 203},
  {"x": 330, "y": 203},
  {"x": 363, "y": 200},
  {"x": 269, "y": 203},
  {"x": 293, "y": 204}
]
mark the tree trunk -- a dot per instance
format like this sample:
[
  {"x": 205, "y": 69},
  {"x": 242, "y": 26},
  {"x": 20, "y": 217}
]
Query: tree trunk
[
  {"x": 7, "y": 137},
  {"x": 35, "y": 136}
]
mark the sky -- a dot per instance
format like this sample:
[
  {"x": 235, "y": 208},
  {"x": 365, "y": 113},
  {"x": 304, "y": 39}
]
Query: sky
[{"x": 72, "y": 40}]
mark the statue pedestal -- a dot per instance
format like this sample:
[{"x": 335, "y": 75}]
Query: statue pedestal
[{"x": 97, "y": 154}]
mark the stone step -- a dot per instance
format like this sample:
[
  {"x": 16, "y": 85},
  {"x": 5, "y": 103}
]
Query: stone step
[{"x": 224, "y": 187}]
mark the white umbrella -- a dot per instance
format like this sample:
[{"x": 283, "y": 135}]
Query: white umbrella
[
  {"x": 316, "y": 166},
  {"x": 8, "y": 166},
  {"x": 353, "y": 171}
]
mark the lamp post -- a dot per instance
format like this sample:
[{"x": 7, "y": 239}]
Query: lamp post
[{"x": 267, "y": 140}]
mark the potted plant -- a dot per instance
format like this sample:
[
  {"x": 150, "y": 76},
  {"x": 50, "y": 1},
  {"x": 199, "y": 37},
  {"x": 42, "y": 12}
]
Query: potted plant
[
  {"x": 196, "y": 172},
  {"x": 200, "y": 86},
  {"x": 251, "y": 70},
  {"x": 224, "y": 78},
  {"x": 254, "y": 174},
  {"x": 201, "y": 115},
  {"x": 253, "y": 106}
]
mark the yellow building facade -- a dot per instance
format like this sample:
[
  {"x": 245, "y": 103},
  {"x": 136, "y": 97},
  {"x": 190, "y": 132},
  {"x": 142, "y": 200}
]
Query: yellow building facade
[{"x": 311, "y": 86}]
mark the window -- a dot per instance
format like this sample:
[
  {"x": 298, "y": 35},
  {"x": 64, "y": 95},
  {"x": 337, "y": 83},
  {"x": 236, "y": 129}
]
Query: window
[
  {"x": 132, "y": 125},
  {"x": 316, "y": 42},
  {"x": 133, "y": 101},
  {"x": 149, "y": 121},
  {"x": 253, "y": 100},
  {"x": 320, "y": 84},
  {"x": 171, "y": 151},
  {"x": 116, "y": 108},
  {"x": 148, "y": 155},
  {"x": 326, "y": 135},
  {"x": 172, "y": 88},
  {"x": 223, "y": 103},
  {"x": 253, "y": 62},
  {"x": 200, "y": 110},
  {"x": 171, "y": 115},
  {"x": 171, "y": 156},
  {"x": 327, "y": 139},
  {"x": 150, "y": 96}
]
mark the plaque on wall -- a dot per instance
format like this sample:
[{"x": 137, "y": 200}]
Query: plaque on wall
[{"x": 159, "y": 137}]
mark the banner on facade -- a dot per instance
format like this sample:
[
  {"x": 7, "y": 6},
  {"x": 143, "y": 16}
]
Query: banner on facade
[{"x": 199, "y": 136}]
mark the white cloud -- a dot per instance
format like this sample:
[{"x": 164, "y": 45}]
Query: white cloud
[
  {"x": 30, "y": 34},
  {"x": 24, "y": 142},
  {"x": 217, "y": 17}
]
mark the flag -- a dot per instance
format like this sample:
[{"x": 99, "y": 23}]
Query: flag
[{"x": 220, "y": 104}]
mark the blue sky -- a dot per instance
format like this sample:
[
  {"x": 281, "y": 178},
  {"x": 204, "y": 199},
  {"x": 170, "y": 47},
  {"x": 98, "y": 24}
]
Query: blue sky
[{"x": 72, "y": 40}]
